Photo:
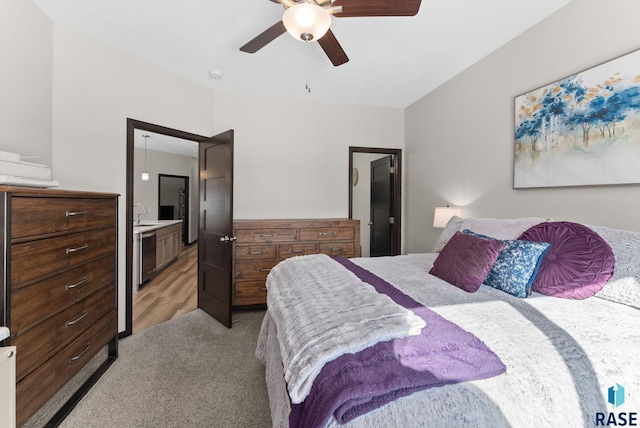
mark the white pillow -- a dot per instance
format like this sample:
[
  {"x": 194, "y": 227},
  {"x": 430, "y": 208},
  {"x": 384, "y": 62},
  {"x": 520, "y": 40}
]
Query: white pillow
[
  {"x": 453, "y": 225},
  {"x": 624, "y": 285},
  {"x": 499, "y": 228}
]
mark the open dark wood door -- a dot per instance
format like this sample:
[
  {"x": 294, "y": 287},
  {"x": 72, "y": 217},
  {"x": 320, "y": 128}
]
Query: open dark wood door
[
  {"x": 382, "y": 215},
  {"x": 215, "y": 239}
]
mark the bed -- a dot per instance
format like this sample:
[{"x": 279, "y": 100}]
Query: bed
[{"x": 548, "y": 360}]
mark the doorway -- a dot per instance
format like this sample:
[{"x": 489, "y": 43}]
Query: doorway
[
  {"x": 134, "y": 127},
  {"x": 375, "y": 183},
  {"x": 173, "y": 201}
]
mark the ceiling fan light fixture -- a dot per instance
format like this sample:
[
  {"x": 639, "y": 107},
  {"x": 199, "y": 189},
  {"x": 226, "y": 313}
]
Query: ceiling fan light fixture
[{"x": 306, "y": 21}]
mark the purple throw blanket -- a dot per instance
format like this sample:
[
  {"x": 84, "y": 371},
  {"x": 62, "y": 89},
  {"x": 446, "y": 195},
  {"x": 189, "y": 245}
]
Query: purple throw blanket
[{"x": 354, "y": 384}]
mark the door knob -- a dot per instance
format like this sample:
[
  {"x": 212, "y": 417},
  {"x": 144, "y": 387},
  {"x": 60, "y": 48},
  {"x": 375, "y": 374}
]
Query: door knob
[
  {"x": 225, "y": 238},
  {"x": 370, "y": 223}
]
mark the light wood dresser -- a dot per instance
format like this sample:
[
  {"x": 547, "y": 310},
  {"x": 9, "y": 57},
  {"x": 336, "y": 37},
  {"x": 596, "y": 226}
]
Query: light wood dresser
[
  {"x": 261, "y": 244},
  {"x": 60, "y": 289}
]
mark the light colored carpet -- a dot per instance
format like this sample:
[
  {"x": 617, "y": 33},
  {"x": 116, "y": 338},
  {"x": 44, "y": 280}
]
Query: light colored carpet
[{"x": 187, "y": 372}]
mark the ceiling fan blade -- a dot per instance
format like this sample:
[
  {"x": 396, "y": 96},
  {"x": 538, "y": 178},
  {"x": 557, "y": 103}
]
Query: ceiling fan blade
[
  {"x": 264, "y": 38},
  {"x": 332, "y": 48},
  {"x": 354, "y": 8}
]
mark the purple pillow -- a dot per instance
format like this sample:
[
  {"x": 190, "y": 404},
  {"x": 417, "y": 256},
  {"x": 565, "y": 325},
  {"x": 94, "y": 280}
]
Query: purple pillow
[
  {"x": 578, "y": 263},
  {"x": 466, "y": 261}
]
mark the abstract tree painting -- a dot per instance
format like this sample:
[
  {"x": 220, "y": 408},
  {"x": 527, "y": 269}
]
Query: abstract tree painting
[{"x": 581, "y": 130}]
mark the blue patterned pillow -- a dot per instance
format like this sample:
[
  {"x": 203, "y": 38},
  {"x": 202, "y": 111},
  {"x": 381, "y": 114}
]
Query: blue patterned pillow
[{"x": 516, "y": 266}]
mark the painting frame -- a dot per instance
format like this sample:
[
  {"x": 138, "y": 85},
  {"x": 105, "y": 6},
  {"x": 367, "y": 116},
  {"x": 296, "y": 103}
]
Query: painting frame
[{"x": 581, "y": 130}]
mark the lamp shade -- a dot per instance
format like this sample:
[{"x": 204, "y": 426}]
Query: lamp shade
[
  {"x": 306, "y": 21},
  {"x": 145, "y": 176},
  {"x": 442, "y": 215}
]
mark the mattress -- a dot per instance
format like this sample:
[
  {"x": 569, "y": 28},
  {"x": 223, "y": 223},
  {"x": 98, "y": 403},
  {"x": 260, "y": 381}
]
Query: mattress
[{"x": 563, "y": 357}]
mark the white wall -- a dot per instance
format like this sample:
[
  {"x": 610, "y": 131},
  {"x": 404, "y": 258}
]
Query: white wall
[
  {"x": 95, "y": 89},
  {"x": 292, "y": 156},
  {"x": 459, "y": 138},
  {"x": 26, "y": 51}
]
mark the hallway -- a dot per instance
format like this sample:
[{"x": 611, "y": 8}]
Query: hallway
[{"x": 170, "y": 294}]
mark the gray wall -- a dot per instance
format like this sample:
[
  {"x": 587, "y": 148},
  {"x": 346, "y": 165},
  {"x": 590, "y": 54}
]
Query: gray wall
[{"x": 459, "y": 138}]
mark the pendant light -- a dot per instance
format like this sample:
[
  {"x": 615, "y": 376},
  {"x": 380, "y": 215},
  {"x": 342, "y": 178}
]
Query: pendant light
[{"x": 145, "y": 174}]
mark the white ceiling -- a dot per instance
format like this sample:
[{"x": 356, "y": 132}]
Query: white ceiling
[{"x": 393, "y": 61}]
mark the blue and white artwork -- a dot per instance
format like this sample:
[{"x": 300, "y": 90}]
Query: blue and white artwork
[{"x": 582, "y": 130}]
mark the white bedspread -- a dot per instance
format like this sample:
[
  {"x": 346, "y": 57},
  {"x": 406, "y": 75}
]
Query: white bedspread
[
  {"x": 321, "y": 311},
  {"x": 562, "y": 356}
]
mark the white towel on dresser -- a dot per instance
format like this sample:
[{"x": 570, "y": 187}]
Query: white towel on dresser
[{"x": 322, "y": 310}]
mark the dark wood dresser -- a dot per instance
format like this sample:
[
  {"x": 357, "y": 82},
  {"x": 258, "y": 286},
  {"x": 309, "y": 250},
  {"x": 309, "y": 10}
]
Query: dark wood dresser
[
  {"x": 261, "y": 244},
  {"x": 60, "y": 288}
]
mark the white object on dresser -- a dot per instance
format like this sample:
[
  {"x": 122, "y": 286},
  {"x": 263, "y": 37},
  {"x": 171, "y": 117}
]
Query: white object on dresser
[{"x": 7, "y": 382}]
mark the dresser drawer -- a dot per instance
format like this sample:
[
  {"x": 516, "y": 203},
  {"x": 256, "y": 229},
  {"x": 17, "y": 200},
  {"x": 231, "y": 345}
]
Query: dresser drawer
[
  {"x": 36, "y": 389},
  {"x": 266, "y": 235},
  {"x": 36, "y": 302},
  {"x": 250, "y": 293},
  {"x": 35, "y": 259},
  {"x": 327, "y": 233},
  {"x": 254, "y": 269},
  {"x": 31, "y": 216},
  {"x": 46, "y": 337},
  {"x": 290, "y": 250},
  {"x": 344, "y": 249},
  {"x": 256, "y": 252}
]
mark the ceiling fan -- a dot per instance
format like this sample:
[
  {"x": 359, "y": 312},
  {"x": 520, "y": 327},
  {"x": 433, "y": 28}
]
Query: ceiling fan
[{"x": 309, "y": 20}]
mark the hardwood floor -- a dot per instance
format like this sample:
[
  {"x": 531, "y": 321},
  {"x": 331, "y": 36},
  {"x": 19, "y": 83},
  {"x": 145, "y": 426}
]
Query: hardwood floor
[{"x": 170, "y": 294}]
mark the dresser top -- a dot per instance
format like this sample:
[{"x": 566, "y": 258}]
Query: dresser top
[{"x": 33, "y": 191}]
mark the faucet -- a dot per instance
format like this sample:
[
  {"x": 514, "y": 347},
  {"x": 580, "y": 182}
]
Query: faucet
[{"x": 143, "y": 209}]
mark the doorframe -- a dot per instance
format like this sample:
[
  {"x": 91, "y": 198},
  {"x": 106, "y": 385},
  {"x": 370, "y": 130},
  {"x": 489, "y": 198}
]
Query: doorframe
[
  {"x": 132, "y": 125},
  {"x": 397, "y": 190}
]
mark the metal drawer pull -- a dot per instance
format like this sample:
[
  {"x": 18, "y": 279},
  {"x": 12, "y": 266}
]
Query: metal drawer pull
[
  {"x": 255, "y": 253},
  {"x": 336, "y": 249},
  {"x": 264, "y": 270},
  {"x": 72, "y": 286},
  {"x": 73, "y": 250},
  {"x": 266, "y": 235},
  {"x": 77, "y": 357},
  {"x": 326, "y": 234},
  {"x": 298, "y": 251},
  {"x": 70, "y": 323},
  {"x": 262, "y": 288},
  {"x": 74, "y": 213}
]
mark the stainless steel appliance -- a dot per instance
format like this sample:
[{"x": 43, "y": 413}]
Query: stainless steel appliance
[{"x": 147, "y": 256}]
